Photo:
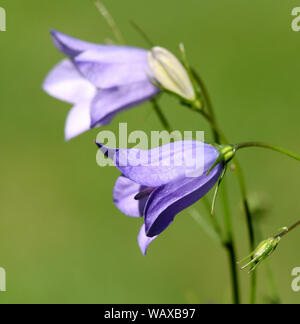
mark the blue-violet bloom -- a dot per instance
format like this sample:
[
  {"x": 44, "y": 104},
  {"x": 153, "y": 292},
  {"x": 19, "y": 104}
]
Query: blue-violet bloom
[
  {"x": 99, "y": 80},
  {"x": 160, "y": 189}
]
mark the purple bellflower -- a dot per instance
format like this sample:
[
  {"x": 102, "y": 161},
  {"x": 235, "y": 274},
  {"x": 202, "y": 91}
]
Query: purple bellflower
[
  {"x": 99, "y": 80},
  {"x": 160, "y": 189}
]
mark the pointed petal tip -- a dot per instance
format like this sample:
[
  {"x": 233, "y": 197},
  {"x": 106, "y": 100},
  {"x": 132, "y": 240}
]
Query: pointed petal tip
[
  {"x": 100, "y": 145},
  {"x": 143, "y": 249},
  {"x": 55, "y": 33},
  {"x": 144, "y": 241},
  {"x": 144, "y": 252}
]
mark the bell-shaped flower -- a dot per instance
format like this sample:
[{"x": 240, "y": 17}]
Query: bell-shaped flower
[
  {"x": 99, "y": 80},
  {"x": 160, "y": 183}
]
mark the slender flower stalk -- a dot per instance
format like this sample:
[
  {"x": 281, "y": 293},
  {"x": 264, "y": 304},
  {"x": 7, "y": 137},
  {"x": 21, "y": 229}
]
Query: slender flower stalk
[
  {"x": 163, "y": 119},
  {"x": 269, "y": 147},
  {"x": 219, "y": 137},
  {"x": 110, "y": 21},
  {"x": 229, "y": 244},
  {"x": 288, "y": 230}
]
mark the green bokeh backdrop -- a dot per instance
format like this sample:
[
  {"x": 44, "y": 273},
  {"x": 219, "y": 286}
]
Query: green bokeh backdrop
[{"x": 61, "y": 238}]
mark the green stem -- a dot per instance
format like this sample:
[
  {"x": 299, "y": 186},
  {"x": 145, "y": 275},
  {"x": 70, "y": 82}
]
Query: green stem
[
  {"x": 161, "y": 116},
  {"x": 229, "y": 244},
  {"x": 208, "y": 104},
  {"x": 213, "y": 218},
  {"x": 269, "y": 147},
  {"x": 218, "y": 134},
  {"x": 250, "y": 226},
  {"x": 289, "y": 229},
  {"x": 110, "y": 21},
  {"x": 142, "y": 33}
]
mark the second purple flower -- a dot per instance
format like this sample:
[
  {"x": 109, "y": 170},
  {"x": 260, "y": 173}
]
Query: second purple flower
[
  {"x": 154, "y": 186},
  {"x": 99, "y": 80}
]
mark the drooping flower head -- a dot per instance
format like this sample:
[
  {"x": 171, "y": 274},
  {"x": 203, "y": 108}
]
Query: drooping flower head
[
  {"x": 99, "y": 80},
  {"x": 155, "y": 186}
]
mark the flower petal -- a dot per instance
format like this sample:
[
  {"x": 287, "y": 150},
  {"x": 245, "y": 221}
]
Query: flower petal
[
  {"x": 73, "y": 47},
  {"x": 78, "y": 121},
  {"x": 169, "y": 200},
  {"x": 144, "y": 240},
  {"x": 106, "y": 70},
  {"x": 64, "y": 82},
  {"x": 109, "y": 102},
  {"x": 124, "y": 197},
  {"x": 164, "y": 164},
  {"x": 70, "y": 46}
]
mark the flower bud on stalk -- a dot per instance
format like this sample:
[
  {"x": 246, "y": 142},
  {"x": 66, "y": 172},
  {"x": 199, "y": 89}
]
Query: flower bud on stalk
[
  {"x": 264, "y": 250},
  {"x": 171, "y": 74}
]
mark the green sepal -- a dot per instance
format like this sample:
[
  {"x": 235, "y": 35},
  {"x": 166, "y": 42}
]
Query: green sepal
[{"x": 227, "y": 153}]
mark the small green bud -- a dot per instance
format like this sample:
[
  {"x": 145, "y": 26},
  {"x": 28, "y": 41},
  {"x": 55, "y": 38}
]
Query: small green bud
[
  {"x": 170, "y": 73},
  {"x": 264, "y": 250}
]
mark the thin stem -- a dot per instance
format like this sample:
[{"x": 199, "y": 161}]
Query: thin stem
[
  {"x": 110, "y": 21},
  {"x": 269, "y": 147},
  {"x": 206, "y": 96},
  {"x": 142, "y": 33},
  {"x": 289, "y": 229},
  {"x": 229, "y": 244},
  {"x": 161, "y": 115},
  {"x": 213, "y": 218},
  {"x": 218, "y": 134},
  {"x": 250, "y": 227},
  {"x": 247, "y": 210}
]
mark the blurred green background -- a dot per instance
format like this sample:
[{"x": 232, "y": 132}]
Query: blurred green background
[{"x": 62, "y": 240}]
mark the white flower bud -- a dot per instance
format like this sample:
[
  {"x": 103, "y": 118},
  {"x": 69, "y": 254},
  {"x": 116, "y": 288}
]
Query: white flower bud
[{"x": 170, "y": 73}]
